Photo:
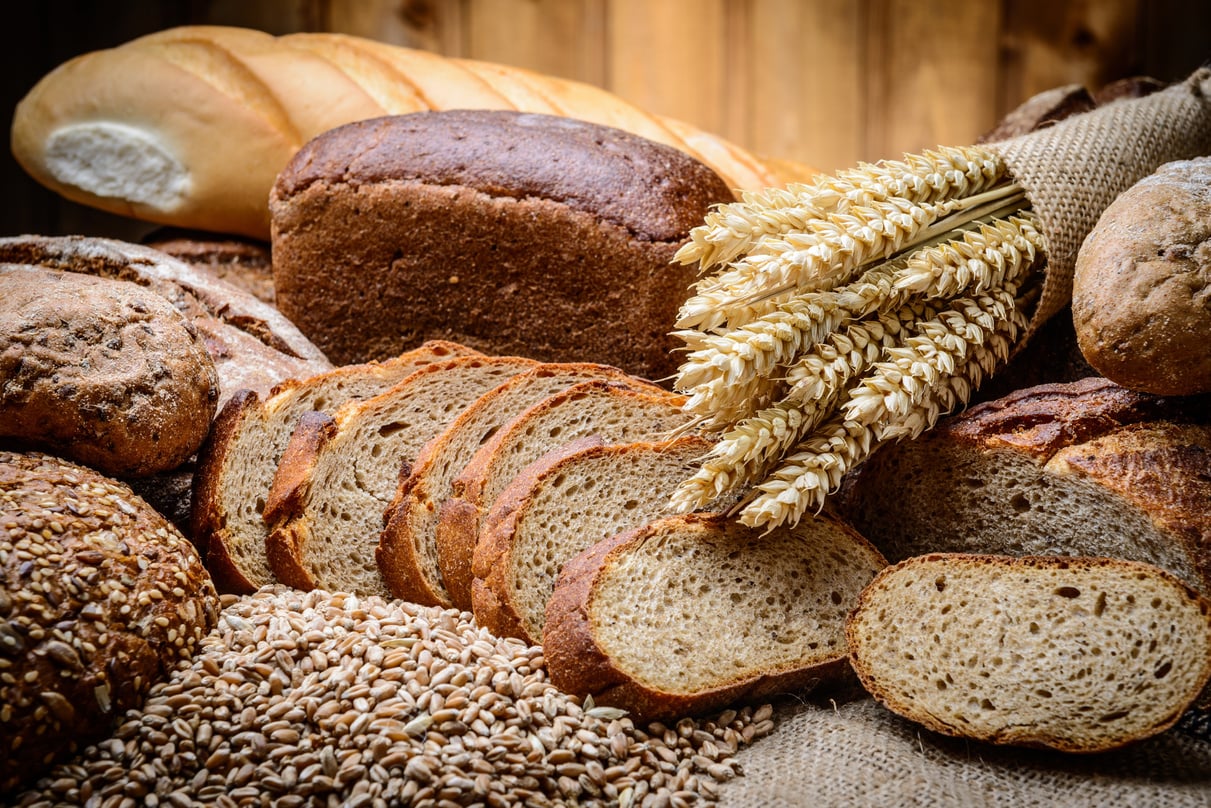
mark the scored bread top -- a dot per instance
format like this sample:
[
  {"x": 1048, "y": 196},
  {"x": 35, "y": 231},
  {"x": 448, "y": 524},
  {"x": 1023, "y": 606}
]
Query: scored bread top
[
  {"x": 1077, "y": 654},
  {"x": 691, "y": 613},
  {"x": 653, "y": 191}
]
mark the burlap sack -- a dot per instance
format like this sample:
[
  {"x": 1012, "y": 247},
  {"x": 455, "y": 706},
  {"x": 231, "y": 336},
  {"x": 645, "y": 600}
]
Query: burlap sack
[
  {"x": 855, "y": 754},
  {"x": 1072, "y": 171}
]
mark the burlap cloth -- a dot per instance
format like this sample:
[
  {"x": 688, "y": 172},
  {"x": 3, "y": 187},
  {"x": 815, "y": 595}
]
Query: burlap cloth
[
  {"x": 1072, "y": 171},
  {"x": 857, "y": 753}
]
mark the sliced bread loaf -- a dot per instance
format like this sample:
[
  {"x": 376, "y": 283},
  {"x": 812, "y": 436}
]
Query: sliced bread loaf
[
  {"x": 691, "y": 613},
  {"x": 1077, "y": 654},
  {"x": 407, "y": 551},
  {"x": 613, "y": 413},
  {"x": 558, "y": 507},
  {"x": 1087, "y": 468},
  {"x": 338, "y": 475},
  {"x": 237, "y": 463}
]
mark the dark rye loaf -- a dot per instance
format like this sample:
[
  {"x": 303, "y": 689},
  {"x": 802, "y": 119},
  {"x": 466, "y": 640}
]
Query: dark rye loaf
[{"x": 511, "y": 233}]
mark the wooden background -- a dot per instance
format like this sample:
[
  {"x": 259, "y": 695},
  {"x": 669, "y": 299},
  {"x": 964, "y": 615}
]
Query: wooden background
[{"x": 824, "y": 82}]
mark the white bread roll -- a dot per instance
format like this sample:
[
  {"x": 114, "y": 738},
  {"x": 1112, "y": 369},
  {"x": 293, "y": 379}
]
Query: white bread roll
[{"x": 190, "y": 126}]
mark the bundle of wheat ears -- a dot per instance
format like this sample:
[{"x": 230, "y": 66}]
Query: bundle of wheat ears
[{"x": 846, "y": 312}]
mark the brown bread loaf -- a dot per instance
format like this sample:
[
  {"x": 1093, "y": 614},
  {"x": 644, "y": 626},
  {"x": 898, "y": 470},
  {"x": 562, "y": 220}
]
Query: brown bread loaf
[
  {"x": 512, "y": 233},
  {"x": 189, "y": 126},
  {"x": 1087, "y": 468},
  {"x": 242, "y": 262},
  {"x": 99, "y": 599},
  {"x": 1076, "y": 654},
  {"x": 691, "y": 613},
  {"x": 1141, "y": 295},
  {"x": 102, "y": 371}
]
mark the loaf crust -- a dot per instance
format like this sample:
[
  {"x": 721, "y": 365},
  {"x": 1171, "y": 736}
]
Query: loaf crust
[
  {"x": 101, "y": 371},
  {"x": 1087, "y": 468},
  {"x": 242, "y": 262},
  {"x": 100, "y": 598},
  {"x": 512, "y": 233},
  {"x": 579, "y": 662},
  {"x": 1141, "y": 294},
  {"x": 252, "y": 345}
]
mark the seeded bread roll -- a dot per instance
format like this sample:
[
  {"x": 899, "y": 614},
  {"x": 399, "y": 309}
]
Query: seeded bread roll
[
  {"x": 511, "y": 233},
  {"x": 1076, "y": 654},
  {"x": 692, "y": 613},
  {"x": 1087, "y": 468},
  {"x": 101, "y": 371},
  {"x": 606, "y": 411},
  {"x": 99, "y": 599},
  {"x": 1141, "y": 293}
]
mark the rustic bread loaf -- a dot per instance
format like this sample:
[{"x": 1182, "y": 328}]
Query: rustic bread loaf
[
  {"x": 242, "y": 262},
  {"x": 189, "y": 126},
  {"x": 512, "y": 233},
  {"x": 1141, "y": 293},
  {"x": 407, "y": 550},
  {"x": 99, "y": 599},
  {"x": 1076, "y": 654},
  {"x": 338, "y": 475},
  {"x": 102, "y": 371},
  {"x": 253, "y": 346},
  {"x": 556, "y": 508},
  {"x": 692, "y": 613},
  {"x": 237, "y": 463},
  {"x": 611, "y": 413},
  {"x": 1087, "y": 468}
]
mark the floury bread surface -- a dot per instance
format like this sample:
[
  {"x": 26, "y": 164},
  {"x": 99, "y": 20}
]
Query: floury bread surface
[{"x": 511, "y": 233}]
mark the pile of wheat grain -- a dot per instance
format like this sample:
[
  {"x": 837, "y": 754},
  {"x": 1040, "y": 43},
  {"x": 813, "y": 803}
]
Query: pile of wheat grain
[{"x": 837, "y": 315}]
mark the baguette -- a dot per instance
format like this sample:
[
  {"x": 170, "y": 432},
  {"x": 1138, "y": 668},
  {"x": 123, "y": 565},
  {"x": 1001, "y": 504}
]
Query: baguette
[
  {"x": 189, "y": 126},
  {"x": 1075, "y": 654}
]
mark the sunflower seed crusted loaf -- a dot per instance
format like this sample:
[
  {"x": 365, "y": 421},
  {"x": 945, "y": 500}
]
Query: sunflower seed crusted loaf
[
  {"x": 338, "y": 474},
  {"x": 240, "y": 457},
  {"x": 100, "y": 598},
  {"x": 407, "y": 551},
  {"x": 1087, "y": 468},
  {"x": 513, "y": 233},
  {"x": 611, "y": 413},
  {"x": 693, "y": 612},
  {"x": 1076, "y": 654},
  {"x": 558, "y": 507}
]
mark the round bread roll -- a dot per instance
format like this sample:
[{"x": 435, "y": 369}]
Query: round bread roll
[
  {"x": 102, "y": 371},
  {"x": 99, "y": 598},
  {"x": 1141, "y": 295}
]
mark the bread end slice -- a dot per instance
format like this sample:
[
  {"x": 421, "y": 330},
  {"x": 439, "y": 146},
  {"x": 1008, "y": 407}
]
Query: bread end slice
[
  {"x": 1078, "y": 654},
  {"x": 691, "y": 613}
]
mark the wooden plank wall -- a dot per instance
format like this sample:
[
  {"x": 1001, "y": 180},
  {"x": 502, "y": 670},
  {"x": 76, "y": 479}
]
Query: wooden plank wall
[{"x": 823, "y": 82}]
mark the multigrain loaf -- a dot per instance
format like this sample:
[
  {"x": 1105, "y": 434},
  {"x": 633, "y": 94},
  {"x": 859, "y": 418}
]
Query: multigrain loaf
[
  {"x": 611, "y": 413},
  {"x": 338, "y": 475},
  {"x": 512, "y": 233},
  {"x": 101, "y": 371},
  {"x": 1087, "y": 468},
  {"x": 1141, "y": 292},
  {"x": 253, "y": 346},
  {"x": 100, "y": 598},
  {"x": 692, "y": 613},
  {"x": 237, "y": 463},
  {"x": 190, "y": 126},
  {"x": 407, "y": 550},
  {"x": 1076, "y": 654},
  {"x": 558, "y": 507}
]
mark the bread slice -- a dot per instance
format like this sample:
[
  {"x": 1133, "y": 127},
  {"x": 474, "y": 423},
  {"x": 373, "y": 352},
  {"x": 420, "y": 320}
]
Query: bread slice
[
  {"x": 691, "y": 613},
  {"x": 1087, "y": 468},
  {"x": 1076, "y": 654},
  {"x": 612, "y": 413},
  {"x": 338, "y": 475},
  {"x": 558, "y": 507},
  {"x": 407, "y": 551},
  {"x": 237, "y": 463}
]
